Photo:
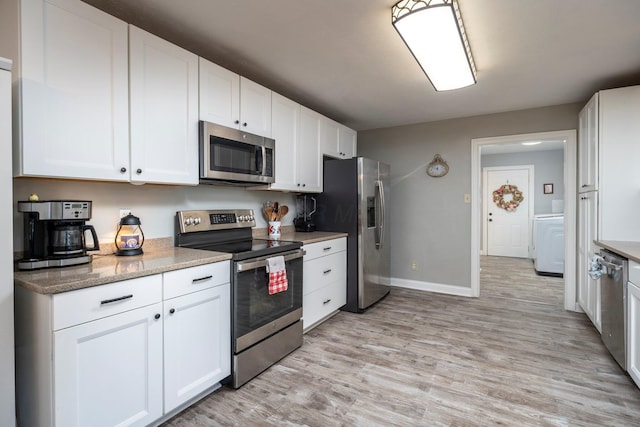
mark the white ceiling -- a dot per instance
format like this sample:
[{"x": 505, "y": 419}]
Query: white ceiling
[{"x": 344, "y": 59}]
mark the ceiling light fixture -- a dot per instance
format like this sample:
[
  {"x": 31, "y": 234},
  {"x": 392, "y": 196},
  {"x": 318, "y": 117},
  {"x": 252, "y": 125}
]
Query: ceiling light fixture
[
  {"x": 532, "y": 143},
  {"x": 433, "y": 32}
]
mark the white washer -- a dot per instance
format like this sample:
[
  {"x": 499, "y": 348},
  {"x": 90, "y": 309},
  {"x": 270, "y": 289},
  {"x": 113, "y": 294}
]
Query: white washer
[{"x": 548, "y": 244}]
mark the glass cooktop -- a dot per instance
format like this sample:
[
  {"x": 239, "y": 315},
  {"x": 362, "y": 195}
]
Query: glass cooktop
[{"x": 245, "y": 249}]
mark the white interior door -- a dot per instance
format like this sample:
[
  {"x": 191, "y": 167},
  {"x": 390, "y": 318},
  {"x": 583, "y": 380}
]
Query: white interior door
[{"x": 508, "y": 230}]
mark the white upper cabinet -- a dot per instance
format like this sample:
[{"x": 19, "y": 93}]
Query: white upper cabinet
[
  {"x": 73, "y": 112},
  {"x": 164, "y": 111},
  {"x": 337, "y": 140},
  {"x": 329, "y": 134},
  {"x": 347, "y": 142},
  {"x": 588, "y": 146},
  {"x": 234, "y": 101},
  {"x": 309, "y": 176},
  {"x": 285, "y": 127}
]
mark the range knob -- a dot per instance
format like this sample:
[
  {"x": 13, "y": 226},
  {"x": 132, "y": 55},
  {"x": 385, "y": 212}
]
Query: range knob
[
  {"x": 196, "y": 220},
  {"x": 188, "y": 221}
]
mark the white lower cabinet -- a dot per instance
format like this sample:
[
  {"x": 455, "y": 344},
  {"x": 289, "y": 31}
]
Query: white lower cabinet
[
  {"x": 126, "y": 353},
  {"x": 109, "y": 372},
  {"x": 197, "y": 344},
  {"x": 324, "y": 281},
  {"x": 633, "y": 322}
]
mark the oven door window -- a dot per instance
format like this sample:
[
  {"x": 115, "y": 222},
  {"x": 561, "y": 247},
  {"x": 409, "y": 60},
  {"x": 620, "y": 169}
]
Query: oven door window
[
  {"x": 254, "y": 307},
  {"x": 232, "y": 156}
]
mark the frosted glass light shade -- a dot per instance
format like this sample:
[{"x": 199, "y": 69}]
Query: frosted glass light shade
[{"x": 433, "y": 32}]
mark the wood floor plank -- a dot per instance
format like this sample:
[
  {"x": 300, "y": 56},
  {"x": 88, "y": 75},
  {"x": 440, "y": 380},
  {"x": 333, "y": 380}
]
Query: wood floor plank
[{"x": 514, "y": 356}]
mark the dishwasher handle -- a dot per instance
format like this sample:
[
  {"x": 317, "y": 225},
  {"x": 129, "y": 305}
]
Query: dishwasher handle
[{"x": 610, "y": 265}]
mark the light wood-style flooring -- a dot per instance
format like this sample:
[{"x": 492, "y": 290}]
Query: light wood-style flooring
[{"x": 513, "y": 357}]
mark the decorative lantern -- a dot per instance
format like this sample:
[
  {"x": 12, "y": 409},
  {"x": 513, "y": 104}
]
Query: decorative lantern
[{"x": 129, "y": 238}]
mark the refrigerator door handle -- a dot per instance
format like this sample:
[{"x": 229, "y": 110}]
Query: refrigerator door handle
[{"x": 380, "y": 223}]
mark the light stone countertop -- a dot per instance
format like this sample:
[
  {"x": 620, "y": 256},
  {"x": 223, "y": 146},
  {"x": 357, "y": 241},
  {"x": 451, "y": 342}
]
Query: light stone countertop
[
  {"x": 158, "y": 257},
  {"x": 629, "y": 250},
  {"x": 311, "y": 237},
  {"x": 110, "y": 268}
]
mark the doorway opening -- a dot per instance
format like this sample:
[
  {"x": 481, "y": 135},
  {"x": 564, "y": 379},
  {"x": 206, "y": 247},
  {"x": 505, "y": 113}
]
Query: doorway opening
[{"x": 565, "y": 139}]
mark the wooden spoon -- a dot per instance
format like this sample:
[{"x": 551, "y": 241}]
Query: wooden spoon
[
  {"x": 283, "y": 211},
  {"x": 268, "y": 213}
]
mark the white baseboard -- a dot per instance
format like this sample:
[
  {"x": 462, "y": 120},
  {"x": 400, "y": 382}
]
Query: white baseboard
[{"x": 431, "y": 287}]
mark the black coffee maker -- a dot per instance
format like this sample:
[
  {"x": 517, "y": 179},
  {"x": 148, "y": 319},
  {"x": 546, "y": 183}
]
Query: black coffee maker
[
  {"x": 305, "y": 208},
  {"x": 55, "y": 234}
]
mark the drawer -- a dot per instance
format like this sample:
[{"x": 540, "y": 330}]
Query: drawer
[
  {"x": 634, "y": 272},
  {"x": 321, "y": 271},
  {"x": 75, "y": 307},
  {"x": 321, "y": 303},
  {"x": 315, "y": 250},
  {"x": 192, "y": 279}
]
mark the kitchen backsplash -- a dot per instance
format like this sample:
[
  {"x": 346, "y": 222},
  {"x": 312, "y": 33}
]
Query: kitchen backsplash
[{"x": 155, "y": 205}]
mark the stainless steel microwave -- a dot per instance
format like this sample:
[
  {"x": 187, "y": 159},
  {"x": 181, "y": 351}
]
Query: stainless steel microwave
[{"x": 231, "y": 155}]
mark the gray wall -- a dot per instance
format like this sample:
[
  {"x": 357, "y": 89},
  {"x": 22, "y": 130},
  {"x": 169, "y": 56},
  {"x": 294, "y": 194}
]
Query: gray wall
[
  {"x": 430, "y": 223},
  {"x": 548, "y": 168}
]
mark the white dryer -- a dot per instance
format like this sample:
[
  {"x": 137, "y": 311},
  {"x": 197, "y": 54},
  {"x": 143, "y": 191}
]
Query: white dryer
[{"x": 548, "y": 244}]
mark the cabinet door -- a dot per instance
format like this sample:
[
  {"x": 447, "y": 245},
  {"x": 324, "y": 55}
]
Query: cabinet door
[
  {"x": 347, "y": 142},
  {"x": 588, "y": 288},
  {"x": 255, "y": 108},
  {"x": 588, "y": 146},
  {"x": 285, "y": 123},
  {"x": 164, "y": 111},
  {"x": 197, "y": 343},
  {"x": 219, "y": 94},
  {"x": 633, "y": 332},
  {"x": 74, "y": 112},
  {"x": 329, "y": 134},
  {"x": 309, "y": 158},
  {"x": 109, "y": 372}
]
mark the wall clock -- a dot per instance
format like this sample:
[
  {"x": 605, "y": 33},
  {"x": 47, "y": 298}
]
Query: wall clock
[{"x": 438, "y": 167}]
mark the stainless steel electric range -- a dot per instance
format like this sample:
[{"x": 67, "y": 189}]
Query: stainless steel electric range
[{"x": 265, "y": 327}]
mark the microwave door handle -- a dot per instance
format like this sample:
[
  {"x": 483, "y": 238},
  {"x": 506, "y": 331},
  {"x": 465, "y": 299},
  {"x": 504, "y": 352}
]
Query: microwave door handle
[
  {"x": 259, "y": 160},
  {"x": 263, "y": 171}
]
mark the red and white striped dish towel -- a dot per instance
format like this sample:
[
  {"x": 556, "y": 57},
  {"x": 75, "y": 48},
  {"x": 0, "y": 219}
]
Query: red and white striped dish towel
[{"x": 277, "y": 275}]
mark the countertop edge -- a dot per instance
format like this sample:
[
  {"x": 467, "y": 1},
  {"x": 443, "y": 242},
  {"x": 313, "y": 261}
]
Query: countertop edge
[
  {"x": 108, "y": 268},
  {"x": 52, "y": 281},
  {"x": 630, "y": 250}
]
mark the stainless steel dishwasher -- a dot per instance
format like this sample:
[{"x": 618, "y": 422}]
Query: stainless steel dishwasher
[{"x": 613, "y": 300}]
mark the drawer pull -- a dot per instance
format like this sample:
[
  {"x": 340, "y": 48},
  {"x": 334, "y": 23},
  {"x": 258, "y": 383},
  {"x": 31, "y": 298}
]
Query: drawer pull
[
  {"x": 327, "y": 301},
  {"x": 328, "y": 248},
  {"x": 109, "y": 301},
  {"x": 202, "y": 279},
  {"x": 326, "y": 271}
]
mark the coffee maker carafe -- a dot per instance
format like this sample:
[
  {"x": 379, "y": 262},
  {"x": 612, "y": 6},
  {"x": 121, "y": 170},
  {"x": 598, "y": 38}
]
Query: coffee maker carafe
[
  {"x": 305, "y": 208},
  {"x": 55, "y": 234}
]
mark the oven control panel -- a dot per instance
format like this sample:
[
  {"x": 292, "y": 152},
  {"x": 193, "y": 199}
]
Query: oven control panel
[{"x": 192, "y": 221}]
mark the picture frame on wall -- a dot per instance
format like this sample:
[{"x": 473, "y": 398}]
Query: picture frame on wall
[{"x": 548, "y": 188}]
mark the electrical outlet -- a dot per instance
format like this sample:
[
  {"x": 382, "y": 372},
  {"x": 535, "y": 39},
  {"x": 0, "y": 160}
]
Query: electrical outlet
[
  {"x": 414, "y": 266},
  {"x": 124, "y": 212}
]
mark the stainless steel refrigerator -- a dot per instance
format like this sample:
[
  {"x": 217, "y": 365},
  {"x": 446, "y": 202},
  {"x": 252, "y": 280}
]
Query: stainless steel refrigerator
[{"x": 355, "y": 200}]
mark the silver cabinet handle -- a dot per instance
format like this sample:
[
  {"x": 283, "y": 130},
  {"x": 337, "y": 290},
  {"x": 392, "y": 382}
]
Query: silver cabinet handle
[
  {"x": 202, "y": 279},
  {"x": 109, "y": 301},
  {"x": 262, "y": 262}
]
